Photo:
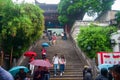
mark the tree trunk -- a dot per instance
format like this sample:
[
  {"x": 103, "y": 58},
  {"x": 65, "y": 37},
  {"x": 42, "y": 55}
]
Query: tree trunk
[{"x": 1, "y": 58}]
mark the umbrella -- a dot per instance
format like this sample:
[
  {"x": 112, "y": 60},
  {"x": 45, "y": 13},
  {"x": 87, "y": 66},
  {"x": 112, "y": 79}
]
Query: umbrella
[
  {"x": 40, "y": 62},
  {"x": 5, "y": 75},
  {"x": 16, "y": 69},
  {"x": 45, "y": 44},
  {"x": 30, "y": 54},
  {"x": 105, "y": 66}
]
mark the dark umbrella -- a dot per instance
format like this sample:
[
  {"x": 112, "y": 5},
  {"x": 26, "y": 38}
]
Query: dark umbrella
[
  {"x": 4, "y": 75},
  {"x": 45, "y": 44}
]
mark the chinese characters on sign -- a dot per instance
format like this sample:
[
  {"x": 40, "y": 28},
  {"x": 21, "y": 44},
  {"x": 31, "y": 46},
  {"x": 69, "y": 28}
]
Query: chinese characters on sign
[{"x": 108, "y": 58}]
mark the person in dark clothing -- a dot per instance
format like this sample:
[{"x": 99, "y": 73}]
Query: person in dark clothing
[
  {"x": 65, "y": 36},
  {"x": 21, "y": 74},
  {"x": 46, "y": 73},
  {"x": 38, "y": 74},
  {"x": 110, "y": 73},
  {"x": 84, "y": 71},
  {"x": 49, "y": 35},
  {"x": 88, "y": 74},
  {"x": 103, "y": 75},
  {"x": 116, "y": 72}
]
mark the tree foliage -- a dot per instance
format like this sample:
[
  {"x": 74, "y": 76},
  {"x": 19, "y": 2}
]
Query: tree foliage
[
  {"x": 71, "y": 10},
  {"x": 22, "y": 24},
  {"x": 118, "y": 19},
  {"x": 93, "y": 39}
]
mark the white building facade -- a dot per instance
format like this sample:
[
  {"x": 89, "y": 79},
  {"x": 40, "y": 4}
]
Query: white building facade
[{"x": 116, "y": 38}]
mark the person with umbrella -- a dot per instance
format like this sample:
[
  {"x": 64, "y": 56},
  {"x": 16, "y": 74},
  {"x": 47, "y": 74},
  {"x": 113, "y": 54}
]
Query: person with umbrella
[
  {"x": 46, "y": 73},
  {"x": 38, "y": 74},
  {"x": 16, "y": 69},
  {"x": 31, "y": 67},
  {"x": 5, "y": 75},
  {"x": 43, "y": 52},
  {"x": 21, "y": 74},
  {"x": 45, "y": 44},
  {"x": 31, "y": 55}
]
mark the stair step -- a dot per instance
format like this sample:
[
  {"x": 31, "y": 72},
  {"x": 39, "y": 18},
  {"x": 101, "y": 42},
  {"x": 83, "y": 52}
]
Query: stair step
[
  {"x": 70, "y": 73},
  {"x": 74, "y": 66},
  {"x": 69, "y": 70},
  {"x": 70, "y": 78}
]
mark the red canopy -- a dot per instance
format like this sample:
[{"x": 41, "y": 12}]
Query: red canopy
[{"x": 30, "y": 54}]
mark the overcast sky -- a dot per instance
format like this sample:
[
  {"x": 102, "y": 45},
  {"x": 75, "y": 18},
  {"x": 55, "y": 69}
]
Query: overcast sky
[{"x": 116, "y": 5}]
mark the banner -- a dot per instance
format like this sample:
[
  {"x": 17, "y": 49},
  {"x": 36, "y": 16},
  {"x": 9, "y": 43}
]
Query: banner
[{"x": 108, "y": 58}]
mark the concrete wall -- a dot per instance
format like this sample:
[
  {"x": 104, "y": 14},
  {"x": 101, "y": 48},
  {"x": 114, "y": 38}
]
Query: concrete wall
[
  {"x": 116, "y": 37},
  {"x": 106, "y": 16},
  {"x": 76, "y": 27}
]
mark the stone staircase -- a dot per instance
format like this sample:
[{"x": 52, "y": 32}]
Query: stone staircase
[
  {"x": 72, "y": 72},
  {"x": 74, "y": 65}
]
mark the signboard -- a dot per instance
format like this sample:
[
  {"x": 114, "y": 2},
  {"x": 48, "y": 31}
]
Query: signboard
[{"x": 108, "y": 58}]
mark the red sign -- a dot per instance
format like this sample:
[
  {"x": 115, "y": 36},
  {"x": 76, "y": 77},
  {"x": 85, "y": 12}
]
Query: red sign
[{"x": 108, "y": 58}]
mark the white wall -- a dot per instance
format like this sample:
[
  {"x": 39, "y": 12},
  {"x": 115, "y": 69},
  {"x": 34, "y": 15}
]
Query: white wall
[{"x": 115, "y": 36}]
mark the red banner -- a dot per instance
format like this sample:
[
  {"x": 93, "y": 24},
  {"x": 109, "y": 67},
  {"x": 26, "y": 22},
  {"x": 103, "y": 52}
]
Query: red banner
[{"x": 108, "y": 58}]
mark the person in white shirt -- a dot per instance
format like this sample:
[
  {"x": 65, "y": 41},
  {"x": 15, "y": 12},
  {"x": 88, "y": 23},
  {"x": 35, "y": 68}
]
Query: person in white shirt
[
  {"x": 62, "y": 35},
  {"x": 55, "y": 61}
]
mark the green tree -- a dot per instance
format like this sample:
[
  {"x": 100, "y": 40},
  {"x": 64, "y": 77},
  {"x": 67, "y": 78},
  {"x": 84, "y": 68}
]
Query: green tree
[
  {"x": 93, "y": 39},
  {"x": 22, "y": 24},
  {"x": 118, "y": 19},
  {"x": 71, "y": 10}
]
